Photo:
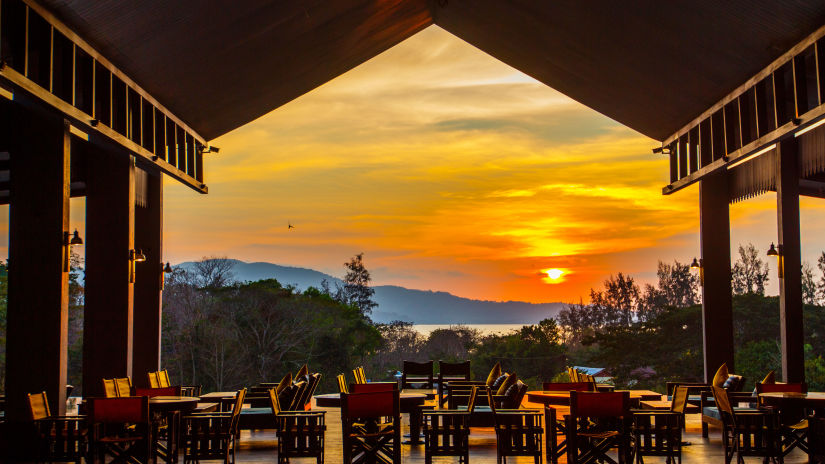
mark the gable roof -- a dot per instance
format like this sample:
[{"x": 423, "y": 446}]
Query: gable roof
[{"x": 648, "y": 64}]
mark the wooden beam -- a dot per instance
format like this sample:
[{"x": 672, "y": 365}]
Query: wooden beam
[
  {"x": 717, "y": 304},
  {"x": 38, "y": 290},
  {"x": 108, "y": 316},
  {"x": 790, "y": 261},
  {"x": 148, "y": 282}
]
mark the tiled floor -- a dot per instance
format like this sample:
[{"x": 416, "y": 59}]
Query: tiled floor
[{"x": 260, "y": 446}]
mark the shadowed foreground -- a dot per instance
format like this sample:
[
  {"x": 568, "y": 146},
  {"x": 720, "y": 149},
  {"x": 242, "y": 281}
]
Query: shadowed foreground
[{"x": 260, "y": 446}]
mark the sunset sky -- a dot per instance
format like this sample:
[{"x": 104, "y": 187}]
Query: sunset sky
[{"x": 451, "y": 171}]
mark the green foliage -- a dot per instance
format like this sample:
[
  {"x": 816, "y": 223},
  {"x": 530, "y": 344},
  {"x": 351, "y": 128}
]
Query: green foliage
[{"x": 242, "y": 334}]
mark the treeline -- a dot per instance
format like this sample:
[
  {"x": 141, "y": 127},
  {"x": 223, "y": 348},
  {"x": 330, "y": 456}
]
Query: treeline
[{"x": 647, "y": 337}]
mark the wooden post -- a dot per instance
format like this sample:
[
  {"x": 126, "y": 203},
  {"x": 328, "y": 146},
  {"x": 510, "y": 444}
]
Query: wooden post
[
  {"x": 38, "y": 285},
  {"x": 110, "y": 215},
  {"x": 148, "y": 282},
  {"x": 717, "y": 303},
  {"x": 790, "y": 286}
]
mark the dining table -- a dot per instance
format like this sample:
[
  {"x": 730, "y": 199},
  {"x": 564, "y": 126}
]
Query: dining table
[
  {"x": 791, "y": 400},
  {"x": 169, "y": 409},
  {"x": 562, "y": 398}
]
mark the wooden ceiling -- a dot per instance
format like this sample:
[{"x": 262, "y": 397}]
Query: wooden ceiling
[{"x": 649, "y": 64}]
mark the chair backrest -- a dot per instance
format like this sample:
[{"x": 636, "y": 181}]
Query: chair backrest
[
  {"x": 569, "y": 386},
  {"x": 490, "y": 400},
  {"x": 154, "y": 380},
  {"x": 457, "y": 370},
  {"x": 680, "y": 398},
  {"x": 159, "y": 391},
  {"x": 607, "y": 404},
  {"x": 370, "y": 405},
  {"x": 304, "y": 370},
  {"x": 471, "y": 403},
  {"x": 417, "y": 373},
  {"x": 300, "y": 388},
  {"x": 39, "y": 406},
  {"x": 163, "y": 378},
  {"x": 236, "y": 411},
  {"x": 123, "y": 385},
  {"x": 306, "y": 398},
  {"x": 372, "y": 387},
  {"x": 360, "y": 376},
  {"x": 109, "y": 388},
  {"x": 342, "y": 383},
  {"x": 720, "y": 396},
  {"x": 274, "y": 403},
  {"x": 129, "y": 409}
]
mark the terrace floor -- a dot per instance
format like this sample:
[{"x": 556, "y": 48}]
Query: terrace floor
[{"x": 260, "y": 446}]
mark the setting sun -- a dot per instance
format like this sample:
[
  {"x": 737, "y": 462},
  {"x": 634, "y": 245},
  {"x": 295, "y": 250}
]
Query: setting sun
[{"x": 553, "y": 275}]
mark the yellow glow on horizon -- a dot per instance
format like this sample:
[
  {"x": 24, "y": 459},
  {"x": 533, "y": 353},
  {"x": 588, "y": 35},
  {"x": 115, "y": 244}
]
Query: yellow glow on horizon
[{"x": 553, "y": 275}]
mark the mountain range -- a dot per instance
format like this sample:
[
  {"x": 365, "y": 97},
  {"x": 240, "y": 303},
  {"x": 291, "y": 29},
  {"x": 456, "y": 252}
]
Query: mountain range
[{"x": 405, "y": 304}]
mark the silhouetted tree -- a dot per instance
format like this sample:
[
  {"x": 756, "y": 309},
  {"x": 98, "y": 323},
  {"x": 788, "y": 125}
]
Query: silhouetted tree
[
  {"x": 809, "y": 290},
  {"x": 820, "y": 263},
  {"x": 357, "y": 291},
  {"x": 749, "y": 273}
]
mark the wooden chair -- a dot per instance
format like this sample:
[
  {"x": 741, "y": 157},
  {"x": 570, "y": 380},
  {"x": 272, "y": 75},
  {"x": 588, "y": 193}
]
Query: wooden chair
[
  {"x": 449, "y": 372},
  {"x": 659, "y": 433},
  {"x": 59, "y": 438},
  {"x": 794, "y": 423},
  {"x": 597, "y": 423},
  {"x": 213, "y": 435},
  {"x": 417, "y": 375},
  {"x": 360, "y": 376},
  {"x": 109, "y": 388},
  {"x": 163, "y": 378},
  {"x": 518, "y": 431},
  {"x": 300, "y": 433},
  {"x": 123, "y": 386},
  {"x": 556, "y": 429},
  {"x": 371, "y": 427},
  {"x": 447, "y": 431},
  {"x": 154, "y": 379},
  {"x": 120, "y": 428},
  {"x": 748, "y": 433},
  {"x": 342, "y": 383}
]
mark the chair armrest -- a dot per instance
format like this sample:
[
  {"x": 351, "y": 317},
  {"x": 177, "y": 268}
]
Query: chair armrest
[{"x": 446, "y": 412}]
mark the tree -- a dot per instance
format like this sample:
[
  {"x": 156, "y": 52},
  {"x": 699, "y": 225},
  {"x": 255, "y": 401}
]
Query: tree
[
  {"x": 749, "y": 273},
  {"x": 809, "y": 290},
  {"x": 214, "y": 272},
  {"x": 357, "y": 291},
  {"x": 622, "y": 294},
  {"x": 820, "y": 263}
]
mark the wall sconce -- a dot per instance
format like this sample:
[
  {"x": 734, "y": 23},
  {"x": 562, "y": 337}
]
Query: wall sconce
[
  {"x": 135, "y": 256},
  {"x": 698, "y": 264},
  {"x": 68, "y": 241},
  {"x": 780, "y": 259},
  {"x": 163, "y": 271}
]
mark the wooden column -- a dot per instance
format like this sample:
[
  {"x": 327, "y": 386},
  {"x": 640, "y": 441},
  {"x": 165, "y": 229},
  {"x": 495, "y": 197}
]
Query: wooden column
[
  {"x": 148, "y": 282},
  {"x": 38, "y": 286},
  {"x": 110, "y": 215},
  {"x": 717, "y": 303},
  {"x": 790, "y": 286}
]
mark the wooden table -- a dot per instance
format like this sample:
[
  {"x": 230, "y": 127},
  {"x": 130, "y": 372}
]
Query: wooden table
[
  {"x": 810, "y": 400},
  {"x": 170, "y": 408},
  {"x": 562, "y": 398},
  {"x": 408, "y": 403}
]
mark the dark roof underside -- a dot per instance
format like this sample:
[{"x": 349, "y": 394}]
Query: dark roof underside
[{"x": 652, "y": 65}]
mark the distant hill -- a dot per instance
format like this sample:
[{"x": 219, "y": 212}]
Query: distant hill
[{"x": 400, "y": 303}]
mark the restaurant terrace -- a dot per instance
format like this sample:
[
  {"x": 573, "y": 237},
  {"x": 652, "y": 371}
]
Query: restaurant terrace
[{"x": 102, "y": 99}]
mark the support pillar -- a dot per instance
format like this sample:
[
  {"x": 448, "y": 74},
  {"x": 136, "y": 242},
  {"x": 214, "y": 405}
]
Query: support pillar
[
  {"x": 149, "y": 279},
  {"x": 38, "y": 285},
  {"x": 717, "y": 303},
  {"x": 790, "y": 261},
  {"x": 110, "y": 216}
]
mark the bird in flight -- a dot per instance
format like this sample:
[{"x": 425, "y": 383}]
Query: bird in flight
[{"x": 289, "y": 225}]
